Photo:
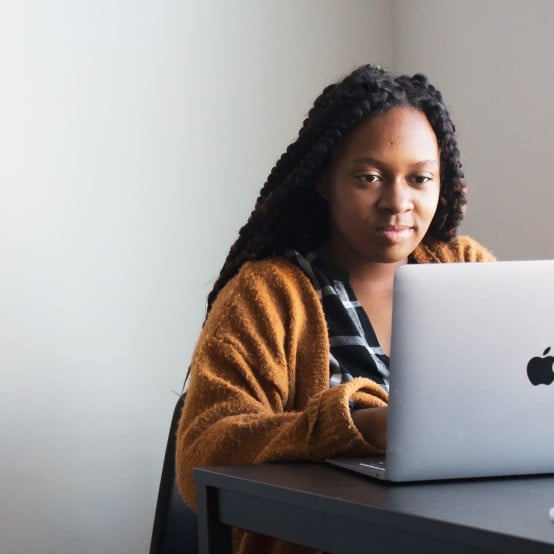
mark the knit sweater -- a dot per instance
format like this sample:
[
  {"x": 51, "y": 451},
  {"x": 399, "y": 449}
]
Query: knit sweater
[{"x": 259, "y": 388}]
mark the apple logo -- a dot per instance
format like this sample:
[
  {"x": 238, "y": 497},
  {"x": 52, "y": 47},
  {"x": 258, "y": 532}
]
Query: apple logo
[{"x": 539, "y": 370}]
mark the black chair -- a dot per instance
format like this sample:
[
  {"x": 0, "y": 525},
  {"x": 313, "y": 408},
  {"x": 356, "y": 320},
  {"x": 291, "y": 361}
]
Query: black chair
[{"x": 175, "y": 524}]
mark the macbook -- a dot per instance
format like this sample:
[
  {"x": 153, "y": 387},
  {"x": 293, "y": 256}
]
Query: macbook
[{"x": 471, "y": 373}]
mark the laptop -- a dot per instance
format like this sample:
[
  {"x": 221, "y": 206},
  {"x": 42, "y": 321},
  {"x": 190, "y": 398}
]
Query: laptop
[{"x": 471, "y": 373}]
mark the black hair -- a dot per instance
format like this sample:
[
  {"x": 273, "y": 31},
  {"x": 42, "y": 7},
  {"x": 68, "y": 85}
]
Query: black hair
[{"x": 290, "y": 213}]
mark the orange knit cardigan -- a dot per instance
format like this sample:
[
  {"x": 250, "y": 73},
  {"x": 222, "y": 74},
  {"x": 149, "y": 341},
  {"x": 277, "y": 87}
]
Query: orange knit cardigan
[{"x": 259, "y": 388}]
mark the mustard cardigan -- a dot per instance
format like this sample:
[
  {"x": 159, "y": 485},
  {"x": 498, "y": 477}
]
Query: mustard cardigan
[{"x": 259, "y": 388}]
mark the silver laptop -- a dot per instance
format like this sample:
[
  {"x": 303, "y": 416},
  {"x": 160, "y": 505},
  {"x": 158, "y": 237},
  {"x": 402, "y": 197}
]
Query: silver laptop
[{"x": 471, "y": 373}]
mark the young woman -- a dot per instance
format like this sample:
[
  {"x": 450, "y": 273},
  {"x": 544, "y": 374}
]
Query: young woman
[{"x": 292, "y": 362}]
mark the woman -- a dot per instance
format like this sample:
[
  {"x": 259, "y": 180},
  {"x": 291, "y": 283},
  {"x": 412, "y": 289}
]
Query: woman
[{"x": 292, "y": 362}]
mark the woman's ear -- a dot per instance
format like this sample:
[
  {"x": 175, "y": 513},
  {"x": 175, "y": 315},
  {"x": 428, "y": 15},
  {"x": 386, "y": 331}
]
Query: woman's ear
[{"x": 322, "y": 186}]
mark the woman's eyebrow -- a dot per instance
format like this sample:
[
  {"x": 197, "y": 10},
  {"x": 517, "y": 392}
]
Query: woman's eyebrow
[
  {"x": 367, "y": 160},
  {"x": 374, "y": 161},
  {"x": 424, "y": 163}
]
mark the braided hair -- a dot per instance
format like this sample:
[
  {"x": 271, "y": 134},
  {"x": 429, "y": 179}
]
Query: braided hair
[{"x": 290, "y": 213}]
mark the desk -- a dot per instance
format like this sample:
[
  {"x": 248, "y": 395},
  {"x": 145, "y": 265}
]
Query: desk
[{"x": 334, "y": 510}]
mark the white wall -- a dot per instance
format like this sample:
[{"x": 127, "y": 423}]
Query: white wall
[
  {"x": 494, "y": 62},
  {"x": 134, "y": 136}
]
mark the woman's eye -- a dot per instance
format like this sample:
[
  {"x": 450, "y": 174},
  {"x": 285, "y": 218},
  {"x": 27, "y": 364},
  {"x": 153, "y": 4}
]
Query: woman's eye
[
  {"x": 369, "y": 178},
  {"x": 421, "y": 179}
]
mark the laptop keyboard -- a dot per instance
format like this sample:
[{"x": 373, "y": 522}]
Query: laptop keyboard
[{"x": 375, "y": 463}]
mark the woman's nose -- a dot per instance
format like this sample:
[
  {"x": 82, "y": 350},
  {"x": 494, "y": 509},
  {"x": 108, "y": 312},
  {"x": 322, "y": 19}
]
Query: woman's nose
[{"x": 396, "y": 197}]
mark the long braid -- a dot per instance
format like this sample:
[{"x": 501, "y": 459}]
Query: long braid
[
  {"x": 452, "y": 201},
  {"x": 290, "y": 213}
]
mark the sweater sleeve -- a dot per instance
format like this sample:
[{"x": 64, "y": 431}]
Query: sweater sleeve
[{"x": 259, "y": 388}]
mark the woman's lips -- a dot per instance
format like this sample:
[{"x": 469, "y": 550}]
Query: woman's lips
[{"x": 394, "y": 233}]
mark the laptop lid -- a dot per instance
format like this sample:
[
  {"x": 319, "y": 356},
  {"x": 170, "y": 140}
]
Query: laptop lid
[{"x": 471, "y": 380}]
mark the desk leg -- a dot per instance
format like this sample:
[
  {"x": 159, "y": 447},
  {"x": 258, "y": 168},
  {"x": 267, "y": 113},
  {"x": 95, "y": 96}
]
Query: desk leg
[{"x": 214, "y": 537}]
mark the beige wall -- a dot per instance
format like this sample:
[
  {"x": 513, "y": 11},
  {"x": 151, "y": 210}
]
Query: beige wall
[
  {"x": 494, "y": 62},
  {"x": 134, "y": 137}
]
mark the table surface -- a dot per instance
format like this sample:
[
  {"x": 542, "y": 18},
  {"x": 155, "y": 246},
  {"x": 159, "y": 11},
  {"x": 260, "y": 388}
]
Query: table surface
[{"x": 336, "y": 510}]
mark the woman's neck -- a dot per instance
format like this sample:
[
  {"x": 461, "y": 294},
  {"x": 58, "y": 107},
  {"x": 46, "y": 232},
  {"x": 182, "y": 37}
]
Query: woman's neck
[{"x": 364, "y": 272}]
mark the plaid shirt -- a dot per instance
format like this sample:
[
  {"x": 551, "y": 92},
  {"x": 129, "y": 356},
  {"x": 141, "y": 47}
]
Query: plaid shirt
[{"x": 354, "y": 348}]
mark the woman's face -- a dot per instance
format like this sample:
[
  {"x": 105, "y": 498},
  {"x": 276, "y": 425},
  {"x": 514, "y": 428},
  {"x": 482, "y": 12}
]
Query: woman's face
[{"x": 382, "y": 188}]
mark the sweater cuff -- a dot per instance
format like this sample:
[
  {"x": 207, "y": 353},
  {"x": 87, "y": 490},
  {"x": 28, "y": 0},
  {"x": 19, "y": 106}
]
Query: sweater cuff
[{"x": 331, "y": 429}]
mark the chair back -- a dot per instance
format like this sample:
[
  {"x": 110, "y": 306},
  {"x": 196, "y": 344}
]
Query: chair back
[{"x": 175, "y": 524}]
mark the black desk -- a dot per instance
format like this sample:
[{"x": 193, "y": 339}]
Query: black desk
[{"x": 340, "y": 512}]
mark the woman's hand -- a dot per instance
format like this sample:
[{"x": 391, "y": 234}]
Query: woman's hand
[{"x": 372, "y": 424}]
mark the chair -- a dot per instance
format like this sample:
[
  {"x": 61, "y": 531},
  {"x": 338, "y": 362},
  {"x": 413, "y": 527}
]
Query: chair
[{"x": 175, "y": 524}]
